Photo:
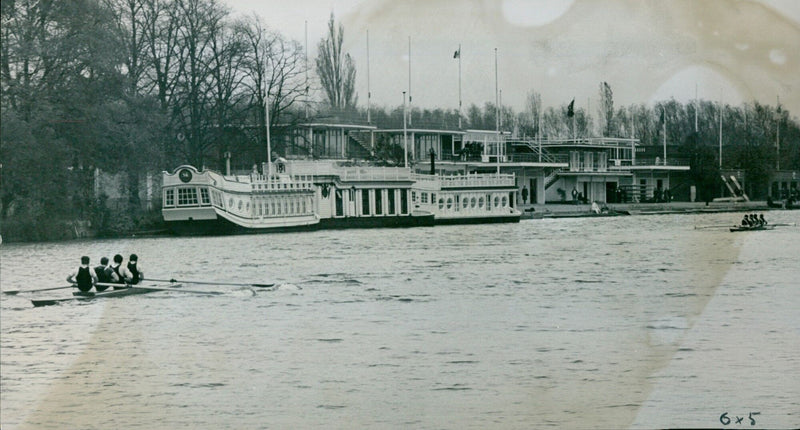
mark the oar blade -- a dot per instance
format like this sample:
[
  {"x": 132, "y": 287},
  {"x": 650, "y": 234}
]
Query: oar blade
[{"x": 15, "y": 292}]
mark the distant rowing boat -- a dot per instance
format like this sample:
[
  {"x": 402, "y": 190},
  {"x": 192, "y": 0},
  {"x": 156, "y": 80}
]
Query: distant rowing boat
[
  {"x": 125, "y": 291},
  {"x": 752, "y": 228}
]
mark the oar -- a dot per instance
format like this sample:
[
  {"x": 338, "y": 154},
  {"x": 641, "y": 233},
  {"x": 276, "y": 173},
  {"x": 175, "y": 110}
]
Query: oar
[
  {"x": 147, "y": 287},
  {"x": 34, "y": 291},
  {"x": 700, "y": 227},
  {"x": 210, "y": 283}
]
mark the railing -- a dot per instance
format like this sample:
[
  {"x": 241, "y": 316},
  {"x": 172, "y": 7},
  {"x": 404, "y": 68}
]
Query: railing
[
  {"x": 471, "y": 180},
  {"x": 534, "y": 158},
  {"x": 593, "y": 141},
  {"x": 374, "y": 174},
  {"x": 648, "y": 162},
  {"x": 347, "y": 173},
  {"x": 263, "y": 183}
]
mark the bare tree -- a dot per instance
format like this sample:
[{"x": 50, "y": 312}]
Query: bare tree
[
  {"x": 336, "y": 69},
  {"x": 277, "y": 64}
]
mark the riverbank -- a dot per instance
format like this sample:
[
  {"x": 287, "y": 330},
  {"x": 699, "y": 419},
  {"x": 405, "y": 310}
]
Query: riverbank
[{"x": 585, "y": 210}]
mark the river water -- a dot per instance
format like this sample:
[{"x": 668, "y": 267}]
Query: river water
[{"x": 627, "y": 322}]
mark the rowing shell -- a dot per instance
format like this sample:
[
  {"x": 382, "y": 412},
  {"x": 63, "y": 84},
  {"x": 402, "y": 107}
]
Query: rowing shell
[
  {"x": 745, "y": 228},
  {"x": 125, "y": 291}
]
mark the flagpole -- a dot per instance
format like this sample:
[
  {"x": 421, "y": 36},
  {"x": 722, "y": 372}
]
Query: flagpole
[
  {"x": 696, "y": 106},
  {"x": 778, "y": 135},
  {"x": 459, "y": 86},
  {"x": 405, "y": 134},
  {"x": 306, "y": 67},
  {"x": 720, "y": 130},
  {"x": 369, "y": 94},
  {"x": 574, "y": 133},
  {"x": 266, "y": 122},
  {"x": 409, "y": 77},
  {"x": 496, "y": 101},
  {"x": 664, "y": 125}
]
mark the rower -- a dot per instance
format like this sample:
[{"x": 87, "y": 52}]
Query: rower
[
  {"x": 136, "y": 273},
  {"x": 116, "y": 272},
  {"x": 763, "y": 221},
  {"x": 103, "y": 277},
  {"x": 83, "y": 277}
]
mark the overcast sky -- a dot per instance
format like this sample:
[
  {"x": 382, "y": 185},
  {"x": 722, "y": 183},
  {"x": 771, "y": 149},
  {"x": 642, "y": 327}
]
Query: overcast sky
[{"x": 646, "y": 50}]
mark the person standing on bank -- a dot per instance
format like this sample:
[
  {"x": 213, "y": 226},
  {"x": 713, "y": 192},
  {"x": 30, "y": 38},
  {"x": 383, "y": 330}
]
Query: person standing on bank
[
  {"x": 83, "y": 277},
  {"x": 136, "y": 274}
]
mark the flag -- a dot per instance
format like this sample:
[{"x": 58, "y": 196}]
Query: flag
[
  {"x": 457, "y": 53},
  {"x": 570, "y": 109}
]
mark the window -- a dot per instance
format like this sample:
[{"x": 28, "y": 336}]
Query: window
[
  {"x": 465, "y": 202},
  {"x": 414, "y": 196},
  {"x": 496, "y": 201},
  {"x": 204, "y": 198},
  {"x": 424, "y": 197},
  {"x": 472, "y": 202},
  {"x": 379, "y": 202},
  {"x": 364, "y": 202},
  {"x": 441, "y": 203},
  {"x": 505, "y": 201},
  {"x": 169, "y": 197},
  {"x": 480, "y": 202},
  {"x": 391, "y": 198},
  {"x": 187, "y": 196},
  {"x": 403, "y": 201},
  {"x": 449, "y": 203}
]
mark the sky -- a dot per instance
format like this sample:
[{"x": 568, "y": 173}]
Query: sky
[{"x": 730, "y": 50}]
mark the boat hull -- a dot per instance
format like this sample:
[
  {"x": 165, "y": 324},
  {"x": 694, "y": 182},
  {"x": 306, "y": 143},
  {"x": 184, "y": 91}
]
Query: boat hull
[
  {"x": 478, "y": 220},
  {"x": 127, "y": 291},
  {"x": 402, "y": 221},
  {"x": 221, "y": 226},
  {"x": 763, "y": 227}
]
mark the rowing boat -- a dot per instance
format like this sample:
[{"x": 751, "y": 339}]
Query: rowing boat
[
  {"x": 752, "y": 228},
  {"x": 124, "y": 291}
]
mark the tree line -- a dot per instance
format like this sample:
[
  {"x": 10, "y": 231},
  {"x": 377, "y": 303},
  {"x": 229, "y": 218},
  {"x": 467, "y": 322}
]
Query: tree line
[{"x": 139, "y": 86}]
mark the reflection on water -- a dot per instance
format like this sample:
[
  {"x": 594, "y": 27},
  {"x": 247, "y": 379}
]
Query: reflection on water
[{"x": 629, "y": 321}]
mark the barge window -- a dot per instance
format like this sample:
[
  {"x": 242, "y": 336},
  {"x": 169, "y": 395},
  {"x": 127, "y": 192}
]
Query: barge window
[
  {"x": 169, "y": 197},
  {"x": 449, "y": 203},
  {"x": 187, "y": 196},
  {"x": 472, "y": 202},
  {"x": 480, "y": 202},
  {"x": 465, "y": 202},
  {"x": 505, "y": 201},
  {"x": 364, "y": 202},
  {"x": 441, "y": 202},
  {"x": 403, "y": 201},
  {"x": 392, "y": 210},
  {"x": 496, "y": 201},
  {"x": 204, "y": 198},
  {"x": 339, "y": 203},
  {"x": 379, "y": 201}
]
